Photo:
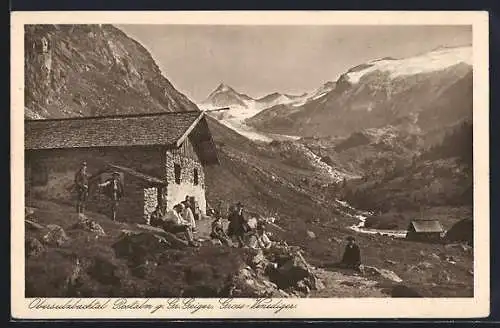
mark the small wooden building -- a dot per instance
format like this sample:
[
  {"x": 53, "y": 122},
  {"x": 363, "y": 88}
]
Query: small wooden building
[
  {"x": 424, "y": 230},
  {"x": 160, "y": 157}
]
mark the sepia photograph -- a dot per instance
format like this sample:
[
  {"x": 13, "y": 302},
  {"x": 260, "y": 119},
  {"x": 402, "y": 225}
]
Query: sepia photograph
[{"x": 249, "y": 161}]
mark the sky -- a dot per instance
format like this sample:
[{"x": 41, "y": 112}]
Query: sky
[{"x": 258, "y": 60}]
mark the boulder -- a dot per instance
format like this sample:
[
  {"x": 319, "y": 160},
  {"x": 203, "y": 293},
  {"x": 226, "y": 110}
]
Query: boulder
[
  {"x": 462, "y": 231},
  {"x": 170, "y": 237},
  {"x": 139, "y": 246},
  {"x": 373, "y": 271},
  {"x": 56, "y": 236},
  {"x": 311, "y": 234},
  {"x": 33, "y": 247},
  {"x": 246, "y": 283},
  {"x": 86, "y": 224},
  {"x": 32, "y": 226},
  {"x": 296, "y": 270}
]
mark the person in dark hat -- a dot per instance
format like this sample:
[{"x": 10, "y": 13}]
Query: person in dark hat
[
  {"x": 237, "y": 224},
  {"x": 115, "y": 191},
  {"x": 352, "y": 255},
  {"x": 82, "y": 187}
]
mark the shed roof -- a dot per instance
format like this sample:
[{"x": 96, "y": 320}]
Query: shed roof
[
  {"x": 142, "y": 176},
  {"x": 426, "y": 226},
  {"x": 166, "y": 129}
]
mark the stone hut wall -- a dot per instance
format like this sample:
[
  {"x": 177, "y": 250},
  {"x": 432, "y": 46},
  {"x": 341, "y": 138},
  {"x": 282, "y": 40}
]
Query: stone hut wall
[
  {"x": 186, "y": 157},
  {"x": 59, "y": 167}
]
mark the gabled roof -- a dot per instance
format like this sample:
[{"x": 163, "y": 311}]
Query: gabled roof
[
  {"x": 165, "y": 129},
  {"x": 426, "y": 226}
]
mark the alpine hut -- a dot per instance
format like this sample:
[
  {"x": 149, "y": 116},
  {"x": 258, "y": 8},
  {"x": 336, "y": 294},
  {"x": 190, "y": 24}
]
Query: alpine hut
[
  {"x": 159, "y": 156},
  {"x": 424, "y": 230}
]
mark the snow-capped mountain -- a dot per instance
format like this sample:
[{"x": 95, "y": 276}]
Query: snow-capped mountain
[
  {"x": 241, "y": 105},
  {"x": 435, "y": 86}
]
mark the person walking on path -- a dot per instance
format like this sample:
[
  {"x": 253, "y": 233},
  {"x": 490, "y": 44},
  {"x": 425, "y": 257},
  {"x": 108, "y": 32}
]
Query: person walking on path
[
  {"x": 115, "y": 191},
  {"x": 82, "y": 187}
]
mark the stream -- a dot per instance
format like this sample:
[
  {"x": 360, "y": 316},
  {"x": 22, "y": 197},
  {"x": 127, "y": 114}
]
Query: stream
[{"x": 360, "y": 226}]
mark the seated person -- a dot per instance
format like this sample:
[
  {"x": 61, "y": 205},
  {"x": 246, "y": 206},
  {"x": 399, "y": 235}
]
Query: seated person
[
  {"x": 259, "y": 239},
  {"x": 156, "y": 218},
  {"x": 218, "y": 231},
  {"x": 174, "y": 223},
  {"x": 352, "y": 257}
]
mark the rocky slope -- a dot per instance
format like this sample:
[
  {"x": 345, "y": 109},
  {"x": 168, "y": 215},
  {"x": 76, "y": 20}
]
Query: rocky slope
[
  {"x": 92, "y": 70},
  {"x": 98, "y": 70},
  {"x": 436, "y": 87}
]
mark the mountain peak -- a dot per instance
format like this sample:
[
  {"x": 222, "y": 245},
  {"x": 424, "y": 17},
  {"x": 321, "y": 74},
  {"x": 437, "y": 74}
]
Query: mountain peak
[{"x": 223, "y": 87}]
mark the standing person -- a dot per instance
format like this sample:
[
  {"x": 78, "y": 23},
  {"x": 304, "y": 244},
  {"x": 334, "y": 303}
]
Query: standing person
[
  {"x": 114, "y": 190},
  {"x": 82, "y": 187},
  {"x": 352, "y": 255}
]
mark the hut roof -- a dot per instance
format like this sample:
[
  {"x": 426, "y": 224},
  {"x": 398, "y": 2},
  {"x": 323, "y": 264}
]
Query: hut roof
[
  {"x": 158, "y": 129},
  {"x": 426, "y": 226}
]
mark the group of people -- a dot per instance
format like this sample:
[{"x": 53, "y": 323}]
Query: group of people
[
  {"x": 183, "y": 216},
  {"x": 112, "y": 187},
  {"x": 240, "y": 230},
  {"x": 180, "y": 219}
]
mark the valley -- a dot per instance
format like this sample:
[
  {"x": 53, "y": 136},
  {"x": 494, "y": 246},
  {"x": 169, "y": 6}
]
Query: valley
[{"x": 389, "y": 141}]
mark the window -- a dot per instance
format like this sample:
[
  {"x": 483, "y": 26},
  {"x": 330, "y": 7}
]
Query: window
[
  {"x": 177, "y": 173},
  {"x": 195, "y": 177}
]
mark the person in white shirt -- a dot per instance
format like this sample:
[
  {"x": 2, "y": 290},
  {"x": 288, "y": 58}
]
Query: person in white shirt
[
  {"x": 175, "y": 223},
  {"x": 260, "y": 238},
  {"x": 187, "y": 216}
]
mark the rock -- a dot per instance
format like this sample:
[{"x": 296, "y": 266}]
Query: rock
[
  {"x": 424, "y": 265},
  {"x": 89, "y": 225},
  {"x": 139, "y": 246},
  {"x": 29, "y": 211},
  {"x": 373, "y": 271},
  {"x": 311, "y": 234},
  {"x": 390, "y": 262},
  {"x": 404, "y": 291},
  {"x": 33, "y": 247},
  {"x": 33, "y": 226},
  {"x": 170, "y": 237},
  {"x": 435, "y": 256},
  {"x": 245, "y": 283},
  {"x": 56, "y": 236}
]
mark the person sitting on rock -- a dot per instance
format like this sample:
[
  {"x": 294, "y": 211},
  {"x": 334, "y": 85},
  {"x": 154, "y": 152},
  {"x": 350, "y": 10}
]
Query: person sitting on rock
[
  {"x": 352, "y": 256},
  {"x": 187, "y": 214},
  {"x": 174, "y": 223},
  {"x": 156, "y": 218},
  {"x": 218, "y": 231},
  {"x": 259, "y": 239},
  {"x": 195, "y": 208},
  {"x": 237, "y": 225}
]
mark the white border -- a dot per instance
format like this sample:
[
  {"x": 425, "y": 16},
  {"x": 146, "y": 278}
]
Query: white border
[{"x": 478, "y": 306}]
